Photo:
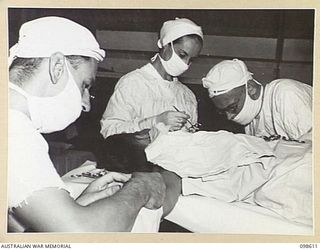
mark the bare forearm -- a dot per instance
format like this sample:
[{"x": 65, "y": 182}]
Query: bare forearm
[
  {"x": 61, "y": 213},
  {"x": 53, "y": 210}
]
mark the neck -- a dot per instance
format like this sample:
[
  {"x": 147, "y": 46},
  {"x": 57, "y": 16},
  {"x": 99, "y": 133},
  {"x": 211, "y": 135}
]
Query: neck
[{"x": 158, "y": 66}]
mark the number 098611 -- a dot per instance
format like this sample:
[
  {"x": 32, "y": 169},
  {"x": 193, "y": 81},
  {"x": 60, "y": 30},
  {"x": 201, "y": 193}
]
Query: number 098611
[{"x": 308, "y": 245}]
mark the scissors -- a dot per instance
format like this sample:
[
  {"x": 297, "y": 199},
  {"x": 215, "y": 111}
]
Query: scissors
[{"x": 193, "y": 127}]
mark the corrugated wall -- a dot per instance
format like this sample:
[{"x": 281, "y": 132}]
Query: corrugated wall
[{"x": 274, "y": 43}]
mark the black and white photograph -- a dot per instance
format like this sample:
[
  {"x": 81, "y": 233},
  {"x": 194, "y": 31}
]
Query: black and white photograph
[{"x": 154, "y": 120}]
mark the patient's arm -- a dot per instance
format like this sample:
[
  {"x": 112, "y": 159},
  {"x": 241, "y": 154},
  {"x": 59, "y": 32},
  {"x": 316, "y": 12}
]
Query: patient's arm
[
  {"x": 53, "y": 210},
  {"x": 173, "y": 188}
]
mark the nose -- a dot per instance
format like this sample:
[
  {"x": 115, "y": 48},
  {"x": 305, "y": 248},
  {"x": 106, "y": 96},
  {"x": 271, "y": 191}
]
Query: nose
[
  {"x": 187, "y": 60},
  {"x": 86, "y": 106}
]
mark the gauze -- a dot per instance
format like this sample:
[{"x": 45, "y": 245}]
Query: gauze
[
  {"x": 44, "y": 36},
  {"x": 226, "y": 76},
  {"x": 54, "y": 113},
  {"x": 175, "y": 66}
]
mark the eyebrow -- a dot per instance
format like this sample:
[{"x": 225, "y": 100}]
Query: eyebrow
[{"x": 181, "y": 50}]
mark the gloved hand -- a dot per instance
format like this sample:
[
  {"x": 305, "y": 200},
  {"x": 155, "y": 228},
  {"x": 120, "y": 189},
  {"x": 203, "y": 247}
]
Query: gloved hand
[
  {"x": 102, "y": 187},
  {"x": 174, "y": 119}
]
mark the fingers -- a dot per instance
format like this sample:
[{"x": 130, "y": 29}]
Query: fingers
[
  {"x": 180, "y": 119},
  {"x": 108, "y": 178},
  {"x": 176, "y": 127},
  {"x": 182, "y": 115},
  {"x": 88, "y": 198},
  {"x": 103, "y": 193},
  {"x": 175, "y": 119},
  {"x": 113, "y": 176},
  {"x": 109, "y": 191}
]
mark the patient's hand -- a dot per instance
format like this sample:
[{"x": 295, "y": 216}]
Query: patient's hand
[{"x": 102, "y": 187}]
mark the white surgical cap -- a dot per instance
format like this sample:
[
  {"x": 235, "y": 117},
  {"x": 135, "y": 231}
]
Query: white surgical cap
[
  {"x": 174, "y": 29},
  {"x": 226, "y": 76},
  {"x": 44, "y": 36}
]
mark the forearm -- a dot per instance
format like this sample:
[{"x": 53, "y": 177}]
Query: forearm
[
  {"x": 112, "y": 126},
  {"x": 61, "y": 213}
]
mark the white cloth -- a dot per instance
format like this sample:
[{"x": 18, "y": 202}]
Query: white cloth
[
  {"x": 232, "y": 167},
  {"x": 206, "y": 215},
  {"x": 286, "y": 110},
  {"x": 236, "y": 184},
  {"x": 289, "y": 192},
  {"x": 203, "y": 154},
  {"x": 174, "y": 29},
  {"x": 147, "y": 220},
  {"x": 44, "y": 36},
  {"x": 29, "y": 166},
  {"x": 141, "y": 95},
  {"x": 225, "y": 76}
]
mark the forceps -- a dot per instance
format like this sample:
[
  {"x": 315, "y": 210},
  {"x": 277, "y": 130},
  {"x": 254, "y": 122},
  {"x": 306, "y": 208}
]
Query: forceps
[{"x": 193, "y": 127}]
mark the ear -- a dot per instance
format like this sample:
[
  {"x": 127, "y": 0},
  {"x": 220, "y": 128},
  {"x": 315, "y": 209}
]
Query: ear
[
  {"x": 166, "y": 51},
  {"x": 253, "y": 89},
  {"x": 56, "y": 66}
]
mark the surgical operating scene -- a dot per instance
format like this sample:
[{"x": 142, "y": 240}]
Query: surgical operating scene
[{"x": 157, "y": 121}]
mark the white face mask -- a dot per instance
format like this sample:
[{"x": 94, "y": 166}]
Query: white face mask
[
  {"x": 251, "y": 108},
  {"x": 50, "y": 114},
  {"x": 175, "y": 66}
]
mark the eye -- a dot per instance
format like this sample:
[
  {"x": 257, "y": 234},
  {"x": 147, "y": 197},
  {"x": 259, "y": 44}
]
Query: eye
[
  {"x": 182, "y": 54},
  {"x": 233, "y": 109}
]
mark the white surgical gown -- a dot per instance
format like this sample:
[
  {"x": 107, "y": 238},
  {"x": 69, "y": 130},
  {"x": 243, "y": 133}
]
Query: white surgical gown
[
  {"x": 286, "y": 110},
  {"x": 141, "y": 95},
  {"x": 30, "y": 168}
]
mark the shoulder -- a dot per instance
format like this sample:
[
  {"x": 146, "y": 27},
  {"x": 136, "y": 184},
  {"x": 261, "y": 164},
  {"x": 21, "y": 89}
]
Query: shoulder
[
  {"x": 19, "y": 124},
  {"x": 133, "y": 79},
  {"x": 289, "y": 88},
  {"x": 288, "y": 85},
  {"x": 287, "y": 94},
  {"x": 22, "y": 134}
]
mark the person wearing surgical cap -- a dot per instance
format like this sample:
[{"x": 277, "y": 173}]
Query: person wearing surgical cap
[
  {"x": 282, "y": 107},
  {"x": 53, "y": 62},
  {"x": 149, "y": 95}
]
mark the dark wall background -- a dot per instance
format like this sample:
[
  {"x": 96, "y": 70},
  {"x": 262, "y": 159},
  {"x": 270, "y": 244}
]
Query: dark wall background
[{"x": 252, "y": 23}]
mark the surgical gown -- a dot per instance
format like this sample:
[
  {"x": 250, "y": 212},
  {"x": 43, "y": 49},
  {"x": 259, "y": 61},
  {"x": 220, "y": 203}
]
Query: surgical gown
[
  {"x": 139, "y": 97},
  {"x": 286, "y": 110}
]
